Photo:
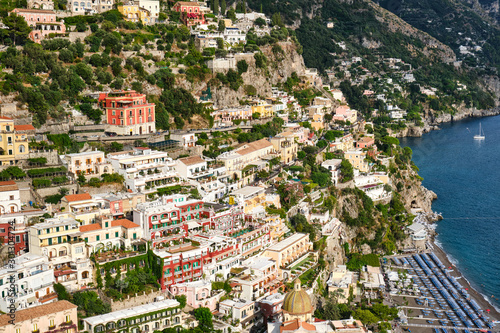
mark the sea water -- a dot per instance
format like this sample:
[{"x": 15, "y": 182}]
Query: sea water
[{"x": 465, "y": 175}]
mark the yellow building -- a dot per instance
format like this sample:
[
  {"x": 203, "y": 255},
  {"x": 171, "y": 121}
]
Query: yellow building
[
  {"x": 277, "y": 227},
  {"x": 317, "y": 122},
  {"x": 357, "y": 158},
  {"x": 284, "y": 143},
  {"x": 135, "y": 13},
  {"x": 289, "y": 249},
  {"x": 13, "y": 141},
  {"x": 264, "y": 109}
]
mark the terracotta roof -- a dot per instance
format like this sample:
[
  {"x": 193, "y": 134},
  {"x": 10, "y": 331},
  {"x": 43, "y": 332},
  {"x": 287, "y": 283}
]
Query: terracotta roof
[
  {"x": 124, "y": 223},
  {"x": 8, "y": 185},
  {"x": 90, "y": 227},
  {"x": 66, "y": 272},
  {"x": 78, "y": 197},
  {"x": 37, "y": 312},
  {"x": 187, "y": 3},
  {"x": 24, "y": 127},
  {"x": 295, "y": 324},
  {"x": 191, "y": 160},
  {"x": 22, "y": 10},
  {"x": 5, "y": 118},
  {"x": 260, "y": 144}
]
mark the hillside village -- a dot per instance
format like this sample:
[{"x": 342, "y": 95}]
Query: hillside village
[{"x": 174, "y": 167}]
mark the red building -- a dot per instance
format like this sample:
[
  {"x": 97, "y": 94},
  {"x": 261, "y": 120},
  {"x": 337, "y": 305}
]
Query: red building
[
  {"x": 128, "y": 113},
  {"x": 184, "y": 262},
  {"x": 171, "y": 218},
  {"x": 191, "y": 13}
]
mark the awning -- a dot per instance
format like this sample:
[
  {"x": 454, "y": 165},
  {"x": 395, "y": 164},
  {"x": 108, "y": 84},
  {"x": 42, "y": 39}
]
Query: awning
[
  {"x": 192, "y": 225},
  {"x": 31, "y": 299}
]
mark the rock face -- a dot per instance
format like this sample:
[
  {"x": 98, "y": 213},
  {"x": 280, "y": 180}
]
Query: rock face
[{"x": 279, "y": 68}]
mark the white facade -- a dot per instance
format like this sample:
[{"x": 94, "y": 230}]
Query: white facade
[
  {"x": 146, "y": 321},
  {"x": 91, "y": 164},
  {"x": 193, "y": 167},
  {"x": 153, "y": 6},
  {"x": 334, "y": 167},
  {"x": 220, "y": 268},
  {"x": 10, "y": 197},
  {"x": 59, "y": 240},
  {"x": 33, "y": 280},
  {"x": 144, "y": 168}
]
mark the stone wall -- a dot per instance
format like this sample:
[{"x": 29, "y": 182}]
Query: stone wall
[
  {"x": 43, "y": 192},
  {"x": 51, "y": 156},
  {"x": 138, "y": 299}
]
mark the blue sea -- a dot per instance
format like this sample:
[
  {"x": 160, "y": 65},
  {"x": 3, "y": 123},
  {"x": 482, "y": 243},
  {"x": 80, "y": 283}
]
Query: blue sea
[{"x": 465, "y": 175}]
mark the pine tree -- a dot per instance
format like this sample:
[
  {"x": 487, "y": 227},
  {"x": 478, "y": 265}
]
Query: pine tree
[
  {"x": 216, "y": 7},
  {"x": 223, "y": 7}
]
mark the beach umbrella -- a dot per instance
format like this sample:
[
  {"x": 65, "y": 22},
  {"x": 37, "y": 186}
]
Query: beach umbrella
[{"x": 487, "y": 310}]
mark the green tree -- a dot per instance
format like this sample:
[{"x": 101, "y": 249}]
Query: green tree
[
  {"x": 346, "y": 170},
  {"x": 366, "y": 316},
  {"x": 276, "y": 20},
  {"x": 260, "y": 22},
  {"x": 216, "y": 7},
  {"x": 222, "y": 26},
  {"x": 223, "y": 7},
  {"x": 204, "y": 317},
  {"x": 242, "y": 66},
  {"x": 18, "y": 28}
]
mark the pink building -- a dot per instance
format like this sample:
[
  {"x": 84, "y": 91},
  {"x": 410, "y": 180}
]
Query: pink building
[
  {"x": 365, "y": 142},
  {"x": 43, "y": 23},
  {"x": 198, "y": 294},
  {"x": 345, "y": 113},
  {"x": 191, "y": 13}
]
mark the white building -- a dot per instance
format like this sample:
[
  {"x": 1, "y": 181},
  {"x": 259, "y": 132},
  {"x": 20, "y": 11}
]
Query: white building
[
  {"x": 59, "y": 240},
  {"x": 144, "y": 169},
  {"x": 33, "y": 280},
  {"x": 374, "y": 186},
  {"x": 192, "y": 167},
  {"x": 153, "y": 6},
  {"x": 154, "y": 316},
  {"x": 239, "y": 309},
  {"x": 258, "y": 279},
  {"x": 91, "y": 164},
  {"x": 186, "y": 140},
  {"x": 10, "y": 197},
  {"x": 333, "y": 166},
  {"x": 220, "y": 268}
]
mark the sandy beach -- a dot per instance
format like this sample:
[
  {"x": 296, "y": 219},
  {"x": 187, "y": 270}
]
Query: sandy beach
[{"x": 478, "y": 297}]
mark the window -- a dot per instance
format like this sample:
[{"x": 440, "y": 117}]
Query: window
[
  {"x": 68, "y": 319},
  {"x": 2, "y": 230},
  {"x": 116, "y": 234},
  {"x": 114, "y": 113},
  {"x": 107, "y": 236},
  {"x": 79, "y": 249},
  {"x": 51, "y": 323},
  {"x": 10, "y": 151},
  {"x": 97, "y": 237},
  {"x": 18, "y": 239},
  {"x": 35, "y": 327},
  {"x": 22, "y": 149},
  {"x": 86, "y": 239},
  {"x": 106, "y": 224},
  {"x": 134, "y": 236}
]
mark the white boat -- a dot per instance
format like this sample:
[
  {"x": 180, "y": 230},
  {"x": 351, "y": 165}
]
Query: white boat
[{"x": 480, "y": 136}]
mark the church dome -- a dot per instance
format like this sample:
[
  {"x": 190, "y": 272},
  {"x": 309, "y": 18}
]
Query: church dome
[{"x": 297, "y": 301}]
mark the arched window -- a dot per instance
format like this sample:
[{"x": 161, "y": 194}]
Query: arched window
[
  {"x": 22, "y": 149},
  {"x": 75, "y": 4}
]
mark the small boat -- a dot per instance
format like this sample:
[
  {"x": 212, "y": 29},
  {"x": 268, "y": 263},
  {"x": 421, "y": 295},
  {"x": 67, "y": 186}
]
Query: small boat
[{"x": 480, "y": 136}]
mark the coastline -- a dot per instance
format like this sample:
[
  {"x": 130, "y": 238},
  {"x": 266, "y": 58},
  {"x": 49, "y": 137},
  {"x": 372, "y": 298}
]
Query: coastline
[
  {"x": 480, "y": 298},
  {"x": 433, "y": 123}
]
